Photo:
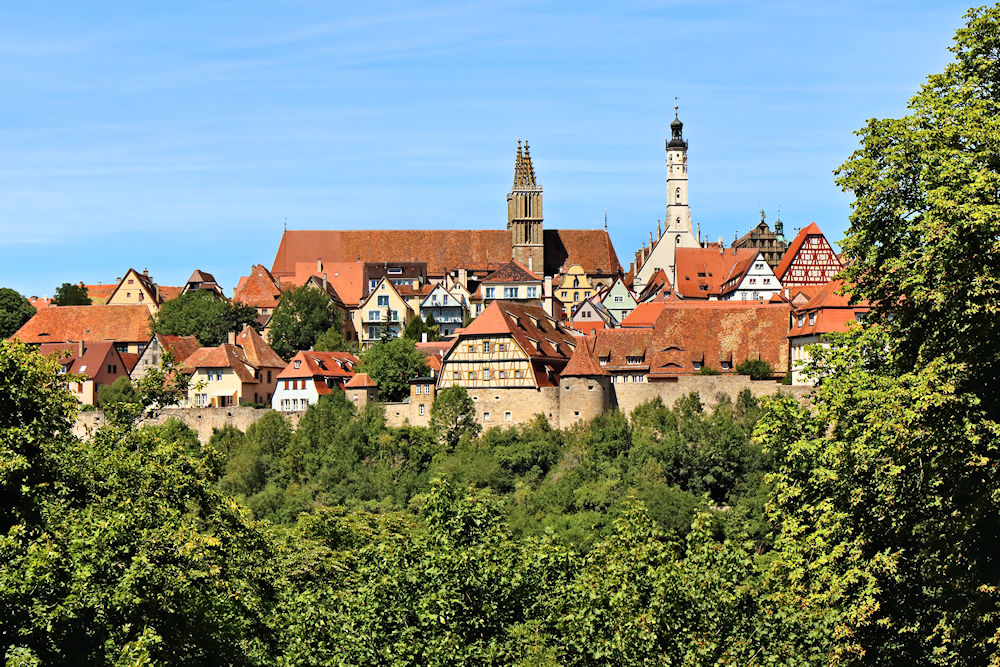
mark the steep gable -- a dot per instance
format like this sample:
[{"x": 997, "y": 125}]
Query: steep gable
[{"x": 809, "y": 260}]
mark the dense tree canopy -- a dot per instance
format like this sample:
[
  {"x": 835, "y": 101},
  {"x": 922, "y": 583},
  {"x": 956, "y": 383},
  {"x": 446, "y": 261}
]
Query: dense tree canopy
[
  {"x": 69, "y": 294},
  {"x": 392, "y": 364},
  {"x": 303, "y": 314},
  {"x": 198, "y": 313},
  {"x": 332, "y": 340},
  {"x": 15, "y": 310}
]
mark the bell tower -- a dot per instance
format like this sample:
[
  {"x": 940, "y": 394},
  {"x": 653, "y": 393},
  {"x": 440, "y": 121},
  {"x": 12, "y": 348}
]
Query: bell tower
[
  {"x": 678, "y": 211},
  {"x": 524, "y": 214}
]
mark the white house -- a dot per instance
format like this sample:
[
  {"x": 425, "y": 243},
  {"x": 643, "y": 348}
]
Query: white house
[{"x": 309, "y": 375}]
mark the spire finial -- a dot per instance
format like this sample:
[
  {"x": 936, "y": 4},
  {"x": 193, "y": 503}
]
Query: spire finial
[
  {"x": 675, "y": 108},
  {"x": 762, "y": 214},
  {"x": 284, "y": 224},
  {"x": 605, "y": 219}
]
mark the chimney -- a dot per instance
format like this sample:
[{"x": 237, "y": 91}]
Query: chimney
[
  {"x": 722, "y": 248},
  {"x": 79, "y": 348},
  {"x": 463, "y": 278},
  {"x": 423, "y": 337},
  {"x": 548, "y": 287},
  {"x": 319, "y": 265},
  {"x": 324, "y": 282},
  {"x": 231, "y": 338}
]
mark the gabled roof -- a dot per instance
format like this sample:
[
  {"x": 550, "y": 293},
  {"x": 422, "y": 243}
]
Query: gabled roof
[
  {"x": 534, "y": 331},
  {"x": 345, "y": 278},
  {"x": 378, "y": 288},
  {"x": 657, "y": 285},
  {"x": 200, "y": 276},
  {"x": 442, "y": 249},
  {"x": 361, "y": 380},
  {"x": 100, "y": 293},
  {"x": 643, "y": 316},
  {"x": 812, "y": 229},
  {"x": 226, "y": 355},
  {"x": 599, "y": 309},
  {"x": 336, "y": 365},
  {"x": 703, "y": 271},
  {"x": 181, "y": 347},
  {"x": 157, "y": 293},
  {"x": 511, "y": 272},
  {"x": 96, "y": 354},
  {"x": 258, "y": 352},
  {"x": 583, "y": 363},
  {"x": 259, "y": 289},
  {"x": 92, "y": 323},
  {"x": 830, "y": 310},
  {"x": 328, "y": 289}
]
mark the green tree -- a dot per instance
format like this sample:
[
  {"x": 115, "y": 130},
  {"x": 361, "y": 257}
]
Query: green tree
[
  {"x": 453, "y": 416},
  {"x": 757, "y": 369},
  {"x": 416, "y": 329},
  {"x": 392, "y": 365},
  {"x": 332, "y": 340},
  {"x": 15, "y": 310},
  {"x": 199, "y": 314},
  {"x": 302, "y": 315},
  {"x": 119, "y": 391},
  {"x": 68, "y": 294}
]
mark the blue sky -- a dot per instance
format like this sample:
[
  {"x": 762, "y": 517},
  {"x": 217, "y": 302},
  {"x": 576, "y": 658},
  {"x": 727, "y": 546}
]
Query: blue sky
[{"x": 174, "y": 136}]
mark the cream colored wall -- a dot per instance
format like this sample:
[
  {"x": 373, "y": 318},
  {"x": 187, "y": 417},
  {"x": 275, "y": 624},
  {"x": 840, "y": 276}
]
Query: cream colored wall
[
  {"x": 799, "y": 356},
  {"x": 229, "y": 385},
  {"x": 133, "y": 294},
  {"x": 396, "y": 302},
  {"x": 462, "y": 360}
]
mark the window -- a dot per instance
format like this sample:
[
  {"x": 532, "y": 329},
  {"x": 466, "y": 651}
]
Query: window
[
  {"x": 420, "y": 409},
  {"x": 759, "y": 265},
  {"x": 860, "y": 317},
  {"x": 486, "y": 374},
  {"x": 383, "y": 300},
  {"x": 564, "y": 295},
  {"x": 633, "y": 360},
  {"x": 605, "y": 360},
  {"x": 619, "y": 299},
  {"x": 576, "y": 296},
  {"x": 472, "y": 375},
  {"x": 697, "y": 365},
  {"x": 472, "y": 349},
  {"x": 269, "y": 377},
  {"x": 373, "y": 332},
  {"x": 767, "y": 281},
  {"x": 456, "y": 375},
  {"x": 393, "y": 315},
  {"x": 507, "y": 416},
  {"x": 123, "y": 347},
  {"x": 500, "y": 347},
  {"x": 297, "y": 363},
  {"x": 510, "y": 292},
  {"x": 374, "y": 316},
  {"x": 725, "y": 365},
  {"x": 501, "y": 375},
  {"x": 486, "y": 347},
  {"x": 802, "y": 320},
  {"x": 532, "y": 292},
  {"x": 395, "y": 270},
  {"x": 112, "y": 368},
  {"x": 753, "y": 281},
  {"x": 677, "y": 194},
  {"x": 812, "y": 318},
  {"x": 490, "y": 292},
  {"x": 486, "y": 416},
  {"x": 517, "y": 374}
]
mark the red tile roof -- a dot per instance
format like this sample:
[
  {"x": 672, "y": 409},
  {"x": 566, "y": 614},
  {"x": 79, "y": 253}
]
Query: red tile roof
[
  {"x": 258, "y": 352},
  {"x": 259, "y": 289},
  {"x": 361, "y": 380},
  {"x": 91, "y": 323},
  {"x": 442, "y": 249},
  {"x": 226, "y": 355},
  {"x": 707, "y": 332},
  {"x": 38, "y": 302},
  {"x": 181, "y": 347},
  {"x": 99, "y": 294},
  {"x": 831, "y": 312},
  {"x": 657, "y": 286},
  {"x": 643, "y": 315},
  {"x": 701, "y": 272},
  {"x": 337, "y": 365},
  {"x": 583, "y": 363},
  {"x": 95, "y": 355},
  {"x": 511, "y": 272}
]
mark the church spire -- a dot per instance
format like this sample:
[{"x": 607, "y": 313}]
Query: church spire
[
  {"x": 524, "y": 213},
  {"x": 524, "y": 171}
]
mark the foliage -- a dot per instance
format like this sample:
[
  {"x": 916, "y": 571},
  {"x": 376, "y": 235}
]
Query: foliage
[
  {"x": 198, "y": 313},
  {"x": 303, "y": 314},
  {"x": 119, "y": 391},
  {"x": 416, "y": 329},
  {"x": 757, "y": 369},
  {"x": 707, "y": 370},
  {"x": 392, "y": 364},
  {"x": 15, "y": 310},
  {"x": 332, "y": 340},
  {"x": 68, "y": 294},
  {"x": 453, "y": 416}
]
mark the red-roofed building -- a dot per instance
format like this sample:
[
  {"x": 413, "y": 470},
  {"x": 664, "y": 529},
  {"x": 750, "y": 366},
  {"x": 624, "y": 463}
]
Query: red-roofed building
[
  {"x": 826, "y": 312},
  {"x": 97, "y": 362},
  {"x": 243, "y": 371},
  {"x": 125, "y": 326},
  {"x": 203, "y": 280},
  {"x": 809, "y": 260},
  {"x": 310, "y": 375},
  {"x": 140, "y": 289},
  {"x": 718, "y": 273},
  {"x": 511, "y": 282},
  {"x": 510, "y": 345},
  {"x": 180, "y": 347}
]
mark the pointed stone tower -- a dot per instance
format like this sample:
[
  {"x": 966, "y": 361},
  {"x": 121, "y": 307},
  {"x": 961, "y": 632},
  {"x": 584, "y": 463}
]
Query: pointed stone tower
[
  {"x": 524, "y": 214},
  {"x": 584, "y": 386}
]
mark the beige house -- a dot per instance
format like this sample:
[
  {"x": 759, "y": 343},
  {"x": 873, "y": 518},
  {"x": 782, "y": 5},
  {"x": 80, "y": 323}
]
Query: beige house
[
  {"x": 575, "y": 288},
  {"x": 384, "y": 309},
  {"x": 139, "y": 289},
  {"x": 511, "y": 282},
  {"x": 243, "y": 371},
  {"x": 812, "y": 318}
]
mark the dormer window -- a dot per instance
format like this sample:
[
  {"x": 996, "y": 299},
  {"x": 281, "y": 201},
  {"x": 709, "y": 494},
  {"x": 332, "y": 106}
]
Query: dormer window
[
  {"x": 395, "y": 270},
  {"x": 812, "y": 318},
  {"x": 297, "y": 363},
  {"x": 604, "y": 360},
  {"x": 633, "y": 360}
]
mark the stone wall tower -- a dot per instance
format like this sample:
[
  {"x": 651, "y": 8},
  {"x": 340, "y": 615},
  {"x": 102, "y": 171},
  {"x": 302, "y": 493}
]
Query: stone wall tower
[
  {"x": 584, "y": 386},
  {"x": 524, "y": 214}
]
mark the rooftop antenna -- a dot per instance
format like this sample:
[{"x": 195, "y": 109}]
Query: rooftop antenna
[
  {"x": 605, "y": 219},
  {"x": 284, "y": 223}
]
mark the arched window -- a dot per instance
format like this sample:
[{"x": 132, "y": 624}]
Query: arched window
[
  {"x": 678, "y": 221},
  {"x": 677, "y": 193},
  {"x": 678, "y": 239},
  {"x": 576, "y": 282}
]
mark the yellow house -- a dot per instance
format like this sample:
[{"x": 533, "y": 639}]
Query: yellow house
[
  {"x": 575, "y": 288},
  {"x": 244, "y": 371},
  {"x": 139, "y": 289},
  {"x": 384, "y": 309}
]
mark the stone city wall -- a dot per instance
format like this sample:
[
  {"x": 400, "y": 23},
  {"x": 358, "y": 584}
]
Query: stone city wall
[
  {"x": 626, "y": 396},
  {"x": 202, "y": 420}
]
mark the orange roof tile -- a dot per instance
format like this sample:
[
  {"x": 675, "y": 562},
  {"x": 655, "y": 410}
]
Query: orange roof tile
[
  {"x": 583, "y": 363},
  {"x": 361, "y": 380},
  {"x": 95, "y": 355},
  {"x": 258, "y": 352},
  {"x": 99, "y": 294},
  {"x": 181, "y": 347},
  {"x": 226, "y": 355},
  {"x": 92, "y": 323},
  {"x": 259, "y": 289},
  {"x": 703, "y": 271},
  {"x": 338, "y": 365},
  {"x": 511, "y": 272},
  {"x": 442, "y": 249}
]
